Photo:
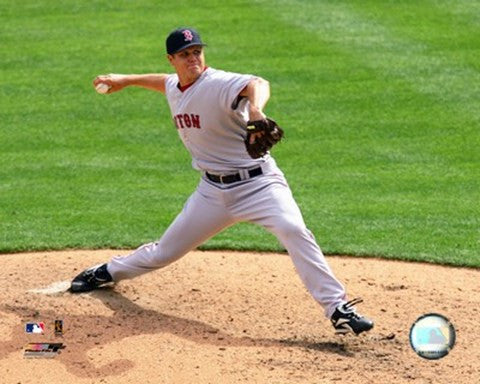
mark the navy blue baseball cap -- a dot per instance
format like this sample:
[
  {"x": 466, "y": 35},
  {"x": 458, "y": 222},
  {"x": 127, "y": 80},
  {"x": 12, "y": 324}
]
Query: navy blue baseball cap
[{"x": 182, "y": 38}]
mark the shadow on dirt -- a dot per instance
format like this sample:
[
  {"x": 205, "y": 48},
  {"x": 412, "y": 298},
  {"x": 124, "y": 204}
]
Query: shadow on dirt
[{"x": 86, "y": 332}]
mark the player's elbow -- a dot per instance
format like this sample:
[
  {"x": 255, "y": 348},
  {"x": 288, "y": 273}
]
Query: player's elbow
[
  {"x": 260, "y": 82},
  {"x": 256, "y": 86}
]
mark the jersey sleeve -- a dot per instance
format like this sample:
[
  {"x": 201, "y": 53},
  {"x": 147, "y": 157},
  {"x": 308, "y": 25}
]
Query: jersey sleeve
[
  {"x": 233, "y": 84},
  {"x": 170, "y": 84}
]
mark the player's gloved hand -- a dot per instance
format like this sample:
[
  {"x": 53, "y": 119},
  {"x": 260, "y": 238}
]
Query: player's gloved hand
[{"x": 262, "y": 135}]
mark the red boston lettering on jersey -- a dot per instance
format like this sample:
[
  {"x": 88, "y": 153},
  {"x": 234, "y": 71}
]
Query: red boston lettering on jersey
[
  {"x": 195, "y": 121},
  {"x": 187, "y": 121},
  {"x": 179, "y": 119}
]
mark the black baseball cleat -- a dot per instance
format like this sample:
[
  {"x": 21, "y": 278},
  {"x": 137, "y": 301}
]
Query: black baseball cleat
[
  {"x": 346, "y": 320},
  {"x": 90, "y": 279}
]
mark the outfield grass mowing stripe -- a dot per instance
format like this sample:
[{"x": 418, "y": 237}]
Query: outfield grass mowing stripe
[
  {"x": 382, "y": 163},
  {"x": 438, "y": 159},
  {"x": 429, "y": 70}
]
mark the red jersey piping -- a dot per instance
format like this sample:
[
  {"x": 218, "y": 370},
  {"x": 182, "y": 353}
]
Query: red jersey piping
[{"x": 183, "y": 88}]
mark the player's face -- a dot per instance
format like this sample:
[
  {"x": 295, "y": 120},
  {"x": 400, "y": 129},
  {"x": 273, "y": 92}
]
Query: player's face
[{"x": 188, "y": 63}]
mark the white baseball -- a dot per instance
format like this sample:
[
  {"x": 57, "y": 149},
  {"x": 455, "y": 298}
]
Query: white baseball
[{"x": 102, "y": 88}]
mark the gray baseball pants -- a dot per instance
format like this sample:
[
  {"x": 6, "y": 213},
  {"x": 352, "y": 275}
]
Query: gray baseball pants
[{"x": 265, "y": 200}]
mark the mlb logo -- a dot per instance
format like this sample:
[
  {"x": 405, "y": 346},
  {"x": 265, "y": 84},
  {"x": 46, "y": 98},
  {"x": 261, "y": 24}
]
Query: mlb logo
[{"x": 38, "y": 328}]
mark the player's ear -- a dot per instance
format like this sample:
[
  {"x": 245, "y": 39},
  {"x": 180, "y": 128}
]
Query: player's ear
[{"x": 170, "y": 59}]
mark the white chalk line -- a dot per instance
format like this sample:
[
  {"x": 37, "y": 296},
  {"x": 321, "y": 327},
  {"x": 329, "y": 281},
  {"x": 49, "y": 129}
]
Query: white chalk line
[{"x": 53, "y": 289}]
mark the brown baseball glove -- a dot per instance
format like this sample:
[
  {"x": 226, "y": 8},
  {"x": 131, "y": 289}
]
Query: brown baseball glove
[{"x": 262, "y": 135}]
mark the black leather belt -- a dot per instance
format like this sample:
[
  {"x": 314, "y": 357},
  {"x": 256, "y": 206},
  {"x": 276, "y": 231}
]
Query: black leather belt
[{"x": 233, "y": 177}]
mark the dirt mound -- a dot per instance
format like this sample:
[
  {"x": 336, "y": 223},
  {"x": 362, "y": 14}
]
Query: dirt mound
[{"x": 222, "y": 317}]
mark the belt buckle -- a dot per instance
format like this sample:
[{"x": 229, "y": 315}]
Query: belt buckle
[{"x": 221, "y": 179}]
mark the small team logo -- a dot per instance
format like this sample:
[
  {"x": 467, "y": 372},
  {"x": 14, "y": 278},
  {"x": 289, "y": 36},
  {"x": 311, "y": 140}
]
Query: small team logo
[
  {"x": 38, "y": 328},
  {"x": 58, "y": 327},
  {"x": 432, "y": 336},
  {"x": 188, "y": 35}
]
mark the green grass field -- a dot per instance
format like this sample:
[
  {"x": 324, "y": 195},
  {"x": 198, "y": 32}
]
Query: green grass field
[{"x": 379, "y": 100}]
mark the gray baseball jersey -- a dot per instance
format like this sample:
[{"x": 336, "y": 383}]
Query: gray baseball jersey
[{"x": 211, "y": 120}]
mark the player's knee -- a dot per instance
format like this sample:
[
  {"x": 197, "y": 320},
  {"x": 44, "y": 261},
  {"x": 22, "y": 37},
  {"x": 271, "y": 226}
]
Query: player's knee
[
  {"x": 157, "y": 256},
  {"x": 289, "y": 228},
  {"x": 152, "y": 253}
]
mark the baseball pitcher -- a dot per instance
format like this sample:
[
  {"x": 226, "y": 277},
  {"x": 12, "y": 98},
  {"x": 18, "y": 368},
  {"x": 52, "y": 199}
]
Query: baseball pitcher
[{"x": 220, "y": 120}]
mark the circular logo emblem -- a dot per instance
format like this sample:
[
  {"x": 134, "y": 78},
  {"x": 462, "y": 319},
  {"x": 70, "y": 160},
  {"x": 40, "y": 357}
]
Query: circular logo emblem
[{"x": 432, "y": 336}]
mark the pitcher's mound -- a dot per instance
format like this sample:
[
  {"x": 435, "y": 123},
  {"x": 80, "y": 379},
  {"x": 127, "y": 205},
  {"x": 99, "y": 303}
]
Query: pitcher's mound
[{"x": 223, "y": 317}]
